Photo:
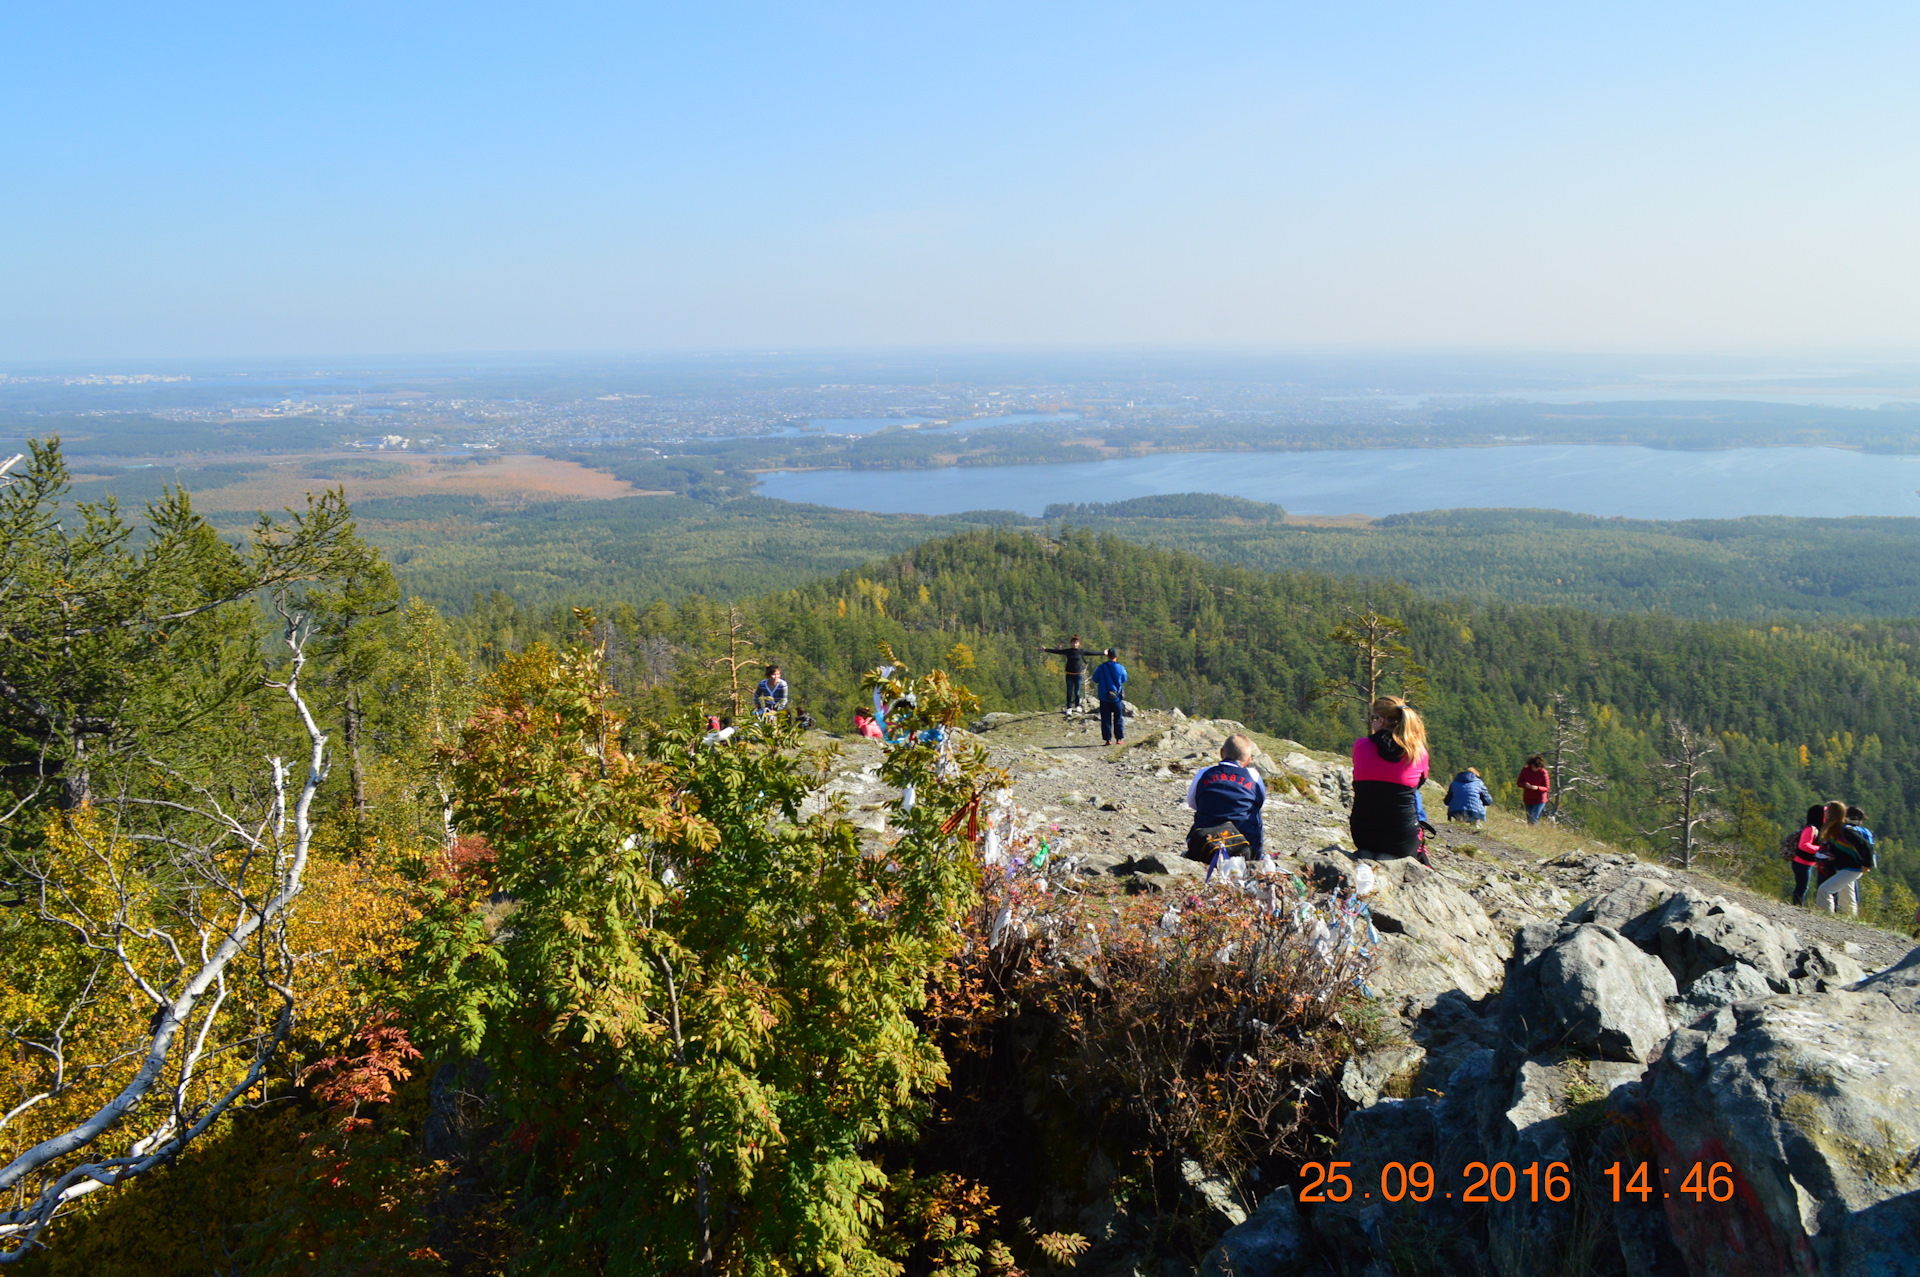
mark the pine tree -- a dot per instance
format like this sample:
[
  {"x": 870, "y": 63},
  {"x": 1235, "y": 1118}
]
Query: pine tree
[{"x": 1569, "y": 759}]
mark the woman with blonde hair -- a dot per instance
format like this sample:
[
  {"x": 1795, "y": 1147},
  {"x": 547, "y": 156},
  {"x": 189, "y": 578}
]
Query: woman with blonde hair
[{"x": 1389, "y": 766}]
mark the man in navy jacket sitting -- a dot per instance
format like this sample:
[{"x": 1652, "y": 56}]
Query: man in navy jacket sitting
[{"x": 1228, "y": 793}]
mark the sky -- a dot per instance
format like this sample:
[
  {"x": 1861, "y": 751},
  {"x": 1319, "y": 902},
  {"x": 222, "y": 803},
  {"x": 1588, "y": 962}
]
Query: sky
[{"x": 268, "y": 179}]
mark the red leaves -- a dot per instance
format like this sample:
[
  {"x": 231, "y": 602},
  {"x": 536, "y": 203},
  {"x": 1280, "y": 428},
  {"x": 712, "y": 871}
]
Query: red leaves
[
  {"x": 367, "y": 1078},
  {"x": 467, "y": 868}
]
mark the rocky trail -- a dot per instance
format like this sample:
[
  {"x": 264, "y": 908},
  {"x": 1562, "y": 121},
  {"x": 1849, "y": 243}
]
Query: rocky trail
[{"x": 1566, "y": 1006}]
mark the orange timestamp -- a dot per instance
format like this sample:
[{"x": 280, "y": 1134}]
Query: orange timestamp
[{"x": 1502, "y": 1182}]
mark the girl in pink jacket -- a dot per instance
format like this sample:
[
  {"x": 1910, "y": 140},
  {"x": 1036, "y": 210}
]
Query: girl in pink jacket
[{"x": 1389, "y": 766}]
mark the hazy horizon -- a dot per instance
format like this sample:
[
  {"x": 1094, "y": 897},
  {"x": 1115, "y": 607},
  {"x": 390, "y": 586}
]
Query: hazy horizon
[{"x": 239, "y": 183}]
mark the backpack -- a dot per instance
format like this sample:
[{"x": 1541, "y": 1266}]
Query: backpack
[
  {"x": 1790, "y": 843},
  {"x": 1864, "y": 846}
]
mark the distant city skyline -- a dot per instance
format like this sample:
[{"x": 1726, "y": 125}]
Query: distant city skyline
[{"x": 370, "y": 181}]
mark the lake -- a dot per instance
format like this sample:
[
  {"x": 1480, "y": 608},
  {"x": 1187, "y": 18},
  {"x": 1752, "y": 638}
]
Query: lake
[{"x": 1602, "y": 479}]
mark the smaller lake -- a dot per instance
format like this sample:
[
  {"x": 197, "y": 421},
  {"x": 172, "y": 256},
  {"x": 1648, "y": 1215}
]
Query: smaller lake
[{"x": 1602, "y": 479}]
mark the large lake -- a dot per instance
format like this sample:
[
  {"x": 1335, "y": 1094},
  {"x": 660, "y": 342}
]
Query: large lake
[{"x": 1644, "y": 483}]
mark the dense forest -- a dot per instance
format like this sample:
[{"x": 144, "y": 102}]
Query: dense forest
[{"x": 449, "y": 548}]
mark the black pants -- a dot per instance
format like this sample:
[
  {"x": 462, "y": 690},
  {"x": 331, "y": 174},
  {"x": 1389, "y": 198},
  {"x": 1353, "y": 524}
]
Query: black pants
[
  {"x": 1802, "y": 877},
  {"x": 1235, "y": 843},
  {"x": 1385, "y": 823},
  {"x": 1073, "y": 690},
  {"x": 1113, "y": 721}
]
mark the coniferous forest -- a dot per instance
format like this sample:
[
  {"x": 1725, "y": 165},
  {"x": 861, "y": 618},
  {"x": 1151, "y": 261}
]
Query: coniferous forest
[{"x": 342, "y": 933}]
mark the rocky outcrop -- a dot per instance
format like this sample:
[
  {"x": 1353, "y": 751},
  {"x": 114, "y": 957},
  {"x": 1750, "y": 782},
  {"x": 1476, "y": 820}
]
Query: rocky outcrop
[
  {"x": 1809, "y": 1102},
  {"x": 1434, "y": 937},
  {"x": 1772, "y": 1094},
  {"x": 1586, "y": 990}
]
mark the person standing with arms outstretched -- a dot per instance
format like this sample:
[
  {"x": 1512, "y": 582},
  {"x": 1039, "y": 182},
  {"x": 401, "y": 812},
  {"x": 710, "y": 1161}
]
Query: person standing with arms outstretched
[
  {"x": 1389, "y": 766},
  {"x": 1108, "y": 682},
  {"x": 1535, "y": 785},
  {"x": 1076, "y": 669}
]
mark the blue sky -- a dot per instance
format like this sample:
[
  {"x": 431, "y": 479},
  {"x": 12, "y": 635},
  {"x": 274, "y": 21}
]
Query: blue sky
[{"x": 270, "y": 179}]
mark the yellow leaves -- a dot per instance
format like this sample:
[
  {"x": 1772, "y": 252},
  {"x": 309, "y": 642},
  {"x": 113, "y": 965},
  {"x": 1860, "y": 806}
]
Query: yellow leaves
[{"x": 350, "y": 918}]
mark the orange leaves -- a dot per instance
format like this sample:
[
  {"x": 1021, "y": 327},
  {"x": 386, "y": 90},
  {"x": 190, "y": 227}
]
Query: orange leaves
[{"x": 348, "y": 1081}]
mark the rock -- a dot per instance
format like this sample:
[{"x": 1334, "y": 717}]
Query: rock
[
  {"x": 1271, "y": 1243},
  {"x": 1362, "y": 1076},
  {"x": 1809, "y": 1099},
  {"x": 1451, "y": 1028},
  {"x": 1693, "y": 934},
  {"x": 1589, "y": 991},
  {"x": 1215, "y": 1196},
  {"x": 1633, "y": 898},
  {"x": 1433, "y": 936},
  {"x": 1391, "y": 1131},
  {"x": 994, "y": 720},
  {"x": 1898, "y": 984},
  {"x": 1825, "y": 969},
  {"x": 1722, "y": 986}
]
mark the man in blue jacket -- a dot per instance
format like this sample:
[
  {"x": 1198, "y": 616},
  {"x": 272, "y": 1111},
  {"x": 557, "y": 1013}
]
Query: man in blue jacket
[
  {"x": 771, "y": 696},
  {"x": 1108, "y": 681},
  {"x": 1228, "y": 793},
  {"x": 1468, "y": 798}
]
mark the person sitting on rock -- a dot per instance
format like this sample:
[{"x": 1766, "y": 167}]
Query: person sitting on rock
[
  {"x": 864, "y": 725},
  {"x": 1468, "y": 798},
  {"x": 771, "y": 696},
  {"x": 1389, "y": 766},
  {"x": 1226, "y": 800}
]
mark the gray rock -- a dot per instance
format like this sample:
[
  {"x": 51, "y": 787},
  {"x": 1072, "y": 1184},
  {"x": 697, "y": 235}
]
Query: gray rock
[
  {"x": 1271, "y": 1243},
  {"x": 1362, "y": 1076},
  {"x": 1694, "y": 933},
  {"x": 1823, "y": 969},
  {"x": 1400, "y": 1131},
  {"x": 1899, "y": 983},
  {"x": 1636, "y": 896},
  {"x": 1214, "y": 1195},
  {"x": 1810, "y": 1099},
  {"x": 1589, "y": 991},
  {"x": 1433, "y": 936},
  {"x": 1723, "y": 986}
]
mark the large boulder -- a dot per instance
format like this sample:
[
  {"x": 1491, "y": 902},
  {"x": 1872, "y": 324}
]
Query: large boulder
[
  {"x": 1433, "y": 936},
  {"x": 1813, "y": 1102},
  {"x": 1695, "y": 933},
  {"x": 1584, "y": 989},
  {"x": 1528, "y": 1126},
  {"x": 1639, "y": 895}
]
